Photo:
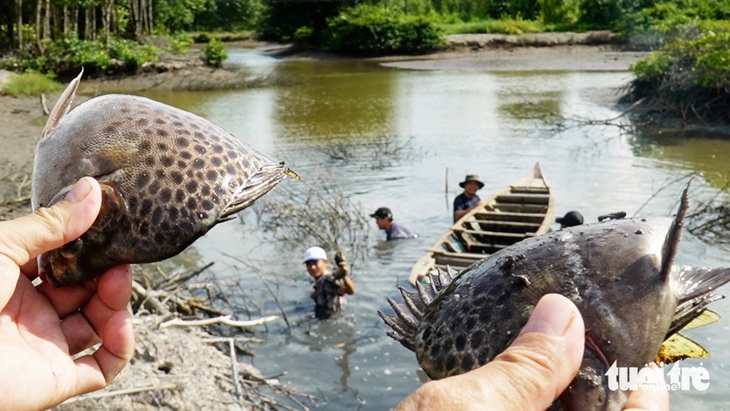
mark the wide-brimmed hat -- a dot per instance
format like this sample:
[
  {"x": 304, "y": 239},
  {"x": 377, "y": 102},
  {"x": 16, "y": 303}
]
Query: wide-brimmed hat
[
  {"x": 382, "y": 212},
  {"x": 570, "y": 219},
  {"x": 471, "y": 177},
  {"x": 314, "y": 254}
]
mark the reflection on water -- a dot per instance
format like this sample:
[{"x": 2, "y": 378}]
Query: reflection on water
[
  {"x": 700, "y": 151},
  {"x": 460, "y": 123}
]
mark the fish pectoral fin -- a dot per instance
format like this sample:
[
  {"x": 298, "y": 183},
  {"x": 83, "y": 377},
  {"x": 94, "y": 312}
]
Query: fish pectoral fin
[
  {"x": 62, "y": 107},
  {"x": 688, "y": 311},
  {"x": 706, "y": 318},
  {"x": 265, "y": 179},
  {"x": 678, "y": 347}
]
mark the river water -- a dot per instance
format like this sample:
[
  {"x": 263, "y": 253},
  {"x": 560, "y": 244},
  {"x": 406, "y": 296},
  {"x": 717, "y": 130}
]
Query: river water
[{"x": 439, "y": 125}]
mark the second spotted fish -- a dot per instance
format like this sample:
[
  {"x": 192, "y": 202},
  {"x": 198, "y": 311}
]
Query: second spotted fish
[{"x": 167, "y": 177}]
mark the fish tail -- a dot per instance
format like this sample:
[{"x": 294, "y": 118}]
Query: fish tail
[
  {"x": 265, "y": 179},
  {"x": 696, "y": 282}
]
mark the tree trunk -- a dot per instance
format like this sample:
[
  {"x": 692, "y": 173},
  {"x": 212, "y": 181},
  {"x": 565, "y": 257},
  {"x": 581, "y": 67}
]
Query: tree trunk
[
  {"x": 8, "y": 21},
  {"x": 134, "y": 18},
  {"x": 38, "y": 27},
  {"x": 105, "y": 21},
  {"x": 19, "y": 10},
  {"x": 150, "y": 18},
  {"x": 47, "y": 21}
]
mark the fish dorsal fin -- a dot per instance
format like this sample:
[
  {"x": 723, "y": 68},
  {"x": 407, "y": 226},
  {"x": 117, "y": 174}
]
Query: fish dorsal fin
[
  {"x": 671, "y": 242},
  {"x": 678, "y": 347},
  {"x": 63, "y": 105}
]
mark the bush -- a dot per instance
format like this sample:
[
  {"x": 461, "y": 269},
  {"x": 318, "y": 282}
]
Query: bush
[
  {"x": 304, "y": 35},
  {"x": 133, "y": 54},
  {"x": 689, "y": 79},
  {"x": 68, "y": 55},
  {"x": 372, "y": 29},
  {"x": 181, "y": 42},
  {"x": 30, "y": 83},
  {"x": 701, "y": 62},
  {"x": 215, "y": 53}
]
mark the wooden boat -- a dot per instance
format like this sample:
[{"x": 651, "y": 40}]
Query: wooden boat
[{"x": 524, "y": 209}]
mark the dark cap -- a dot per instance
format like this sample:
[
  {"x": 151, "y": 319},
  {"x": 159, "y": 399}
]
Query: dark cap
[
  {"x": 570, "y": 219},
  {"x": 471, "y": 177},
  {"x": 382, "y": 212}
]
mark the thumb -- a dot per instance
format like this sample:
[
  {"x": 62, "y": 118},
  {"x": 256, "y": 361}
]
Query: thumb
[
  {"x": 529, "y": 375},
  {"x": 24, "y": 238},
  {"x": 540, "y": 364}
]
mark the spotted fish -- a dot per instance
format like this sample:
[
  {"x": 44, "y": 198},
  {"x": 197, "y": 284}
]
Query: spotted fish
[
  {"x": 619, "y": 273},
  {"x": 167, "y": 177}
]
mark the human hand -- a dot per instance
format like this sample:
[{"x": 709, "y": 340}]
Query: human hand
[
  {"x": 342, "y": 270},
  {"x": 42, "y": 327},
  {"x": 530, "y": 374}
]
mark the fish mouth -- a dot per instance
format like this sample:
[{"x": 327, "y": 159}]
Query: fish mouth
[{"x": 591, "y": 343}]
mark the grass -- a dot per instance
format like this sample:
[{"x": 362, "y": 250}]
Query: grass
[
  {"x": 494, "y": 26},
  {"x": 30, "y": 84},
  {"x": 224, "y": 36}
]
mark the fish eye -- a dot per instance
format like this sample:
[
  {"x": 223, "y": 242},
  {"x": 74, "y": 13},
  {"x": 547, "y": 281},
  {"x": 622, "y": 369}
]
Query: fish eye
[{"x": 72, "y": 249}]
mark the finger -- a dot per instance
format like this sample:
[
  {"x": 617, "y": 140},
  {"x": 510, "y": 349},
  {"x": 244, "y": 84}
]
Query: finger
[
  {"x": 30, "y": 269},
  {"x": 66, "y": 300},
  {"x": 79, "y": 333},
  {"x": 99, "y": 369},
  {"x": 529, "y": 375},
  {"x": 543, "y": 360},
  {"x": 114, "y": 290},
  {"x": 107, "y": 315},
  {"x": 651, "y": 397},
  {"x": 26, "y": 237},
  {"x": 100, "y": 298}
]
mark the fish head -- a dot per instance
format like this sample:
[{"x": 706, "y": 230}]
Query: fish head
[
  {"x": 85, "y": 257},
  {"x": 167, "y": 175},
  {"x": 624, "y": 291},
  {"x": 619, "y": 273}
]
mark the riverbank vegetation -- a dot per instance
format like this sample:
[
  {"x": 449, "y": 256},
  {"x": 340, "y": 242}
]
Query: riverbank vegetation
[
  {"x": 687, "y": 82},
  {"x": 128, "y": 35}
]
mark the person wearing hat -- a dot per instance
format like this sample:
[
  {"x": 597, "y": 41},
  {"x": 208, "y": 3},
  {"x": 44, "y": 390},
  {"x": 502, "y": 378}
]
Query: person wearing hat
[
  {"x": 570, "y": 219},
  {"x": 329, "y": 288},
  {"x": 469, "y": 198},
  {"x": 384, "y": 220}
]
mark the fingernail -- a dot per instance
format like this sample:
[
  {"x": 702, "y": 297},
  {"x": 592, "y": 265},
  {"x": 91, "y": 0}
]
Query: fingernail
[
  {"x": 79, "y": 191},
  {"x": 553, "y": 315}
]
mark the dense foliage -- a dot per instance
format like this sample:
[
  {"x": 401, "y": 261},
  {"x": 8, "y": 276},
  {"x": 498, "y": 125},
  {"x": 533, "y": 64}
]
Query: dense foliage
[
  {"x": 68, "y": 55},
  {"x": 689, "y": 77},
  {"x": 374, "y": 29},
  {"x": 281, "y": 20},
  {"x": 60, "y": 37}
]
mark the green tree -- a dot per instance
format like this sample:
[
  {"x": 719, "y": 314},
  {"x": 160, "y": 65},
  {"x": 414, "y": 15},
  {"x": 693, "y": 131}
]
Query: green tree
[
  {"x": 229, "y": 15},
  {"x": 281, "y": 18},
  {"x": 176, "y": 15}
]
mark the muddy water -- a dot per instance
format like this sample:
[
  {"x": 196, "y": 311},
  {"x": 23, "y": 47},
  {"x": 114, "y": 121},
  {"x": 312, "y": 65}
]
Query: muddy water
[{"x": 447, "y": 124}]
